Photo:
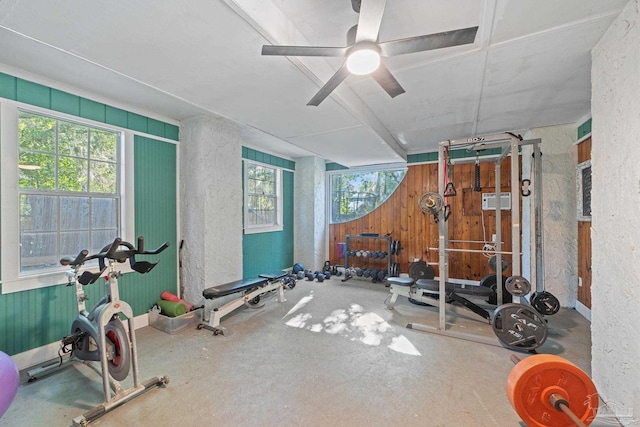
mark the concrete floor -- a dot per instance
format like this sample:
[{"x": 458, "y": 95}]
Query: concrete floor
[{"x": 339, "y": 358}]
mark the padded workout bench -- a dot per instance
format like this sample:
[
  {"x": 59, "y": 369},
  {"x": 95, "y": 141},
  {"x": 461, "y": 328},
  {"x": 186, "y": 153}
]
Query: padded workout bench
[
  {"x": 425, "y": 292},
  {"x": 250, "y": 289}
]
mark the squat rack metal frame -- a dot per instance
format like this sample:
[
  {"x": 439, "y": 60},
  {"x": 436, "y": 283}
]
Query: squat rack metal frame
[{"x": 509, "y": 144}]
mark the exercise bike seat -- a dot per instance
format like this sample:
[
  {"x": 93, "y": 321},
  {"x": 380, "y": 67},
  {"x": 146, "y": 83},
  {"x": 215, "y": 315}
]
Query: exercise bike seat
[{"x": 433, "y": 285}]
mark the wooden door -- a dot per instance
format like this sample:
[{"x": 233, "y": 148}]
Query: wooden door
[{"x": 584, "y": 239}]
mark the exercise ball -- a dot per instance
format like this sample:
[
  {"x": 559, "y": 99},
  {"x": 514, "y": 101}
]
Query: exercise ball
[{"x": 9, "y": 378}]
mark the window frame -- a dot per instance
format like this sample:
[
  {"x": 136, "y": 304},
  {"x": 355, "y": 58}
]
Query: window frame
[
  {"x": 580, "y": 191},
  {"x": 12, "y": 279},
  {"x": 279, "y": 224}
]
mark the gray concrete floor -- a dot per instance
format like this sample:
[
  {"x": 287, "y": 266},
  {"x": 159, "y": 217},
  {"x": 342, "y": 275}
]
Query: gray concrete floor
[{"x": 340, "y": 359}]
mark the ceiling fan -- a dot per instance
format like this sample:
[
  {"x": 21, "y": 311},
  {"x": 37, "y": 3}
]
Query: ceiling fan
[{"x": 363, "y": 50}]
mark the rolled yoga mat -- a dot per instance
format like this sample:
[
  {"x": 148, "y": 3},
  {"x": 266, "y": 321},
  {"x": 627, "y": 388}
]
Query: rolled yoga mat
[
  {"x": 168, "y": 296},
  {"x": 172, "y": 309}
]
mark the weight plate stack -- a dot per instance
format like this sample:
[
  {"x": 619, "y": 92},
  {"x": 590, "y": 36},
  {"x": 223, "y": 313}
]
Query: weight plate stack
[{"x": 421, "y": 270}]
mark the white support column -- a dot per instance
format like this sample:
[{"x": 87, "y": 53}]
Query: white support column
[
  {"x": 211, "y": 194},
  {"x": 310, "y": 238}
]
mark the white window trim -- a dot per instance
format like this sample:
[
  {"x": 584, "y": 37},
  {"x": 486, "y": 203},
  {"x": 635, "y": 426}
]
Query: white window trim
[
  {"x": 253, "y": 229},
  {"x": 12, "y": 280}
]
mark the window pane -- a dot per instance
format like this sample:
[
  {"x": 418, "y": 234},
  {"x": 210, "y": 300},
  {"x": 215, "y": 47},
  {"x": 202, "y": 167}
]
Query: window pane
[
  {"x": 103, "y": 145},
  {"x": 71, "y": 243},
  {"x": 102, "y": 238},
  {"x": 38, "y": 250},
  {"x": 261, "y": 180},
  {"x": 38, "y": 213},
  {"x": 72, "y": 139},
  {"x": 354, "y": 195},
  {"x": 37, "y": 133},
  {"x": 37, "y": 171},
  {"x": 262, "y": 210},
  {"x": 59, "y": 156},
  {"x": 104, "y": 213},
  {"x": 72, "y": 174},
  {"x": 74, "y": 213},
  {"x": 103, "y": 177}
]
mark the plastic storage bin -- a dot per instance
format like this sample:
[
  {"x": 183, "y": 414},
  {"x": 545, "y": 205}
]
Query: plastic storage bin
[{"x": 171, "y": 325}]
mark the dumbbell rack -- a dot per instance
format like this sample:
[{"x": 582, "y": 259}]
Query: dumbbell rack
[{"x": 359, "y": 250}]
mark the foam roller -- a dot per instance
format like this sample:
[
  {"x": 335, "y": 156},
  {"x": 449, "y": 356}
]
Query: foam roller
[
  {"x": 168, "y": 296},
  {"x": 172, "y": 309}
]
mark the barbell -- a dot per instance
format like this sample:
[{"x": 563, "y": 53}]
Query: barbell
[{"x": 548, "y": 390}]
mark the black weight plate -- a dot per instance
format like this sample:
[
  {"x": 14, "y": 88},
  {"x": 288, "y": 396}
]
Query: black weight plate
[
  {"x": 517, "y": 286},
  {"x": 422, "y": 271},
  {"x": 412, "y": 269},
  {"x": 519, "y": 327},
  {"x": 545, "y": 303},
  {"x": 489, "y": 281}
]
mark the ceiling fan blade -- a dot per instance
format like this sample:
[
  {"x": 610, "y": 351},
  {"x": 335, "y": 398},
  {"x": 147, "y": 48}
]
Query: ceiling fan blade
[
  {"x": 329, "y": 86},
  {"x": 304, "y": 50},
  {"x": 385, "y": 79},
  {"x": 371, "y": 12},
  {"x": 428, "y": 42}
]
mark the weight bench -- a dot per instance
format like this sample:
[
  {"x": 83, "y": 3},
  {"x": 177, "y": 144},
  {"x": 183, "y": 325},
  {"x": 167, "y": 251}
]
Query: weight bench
[
  {"x": 250, "y": 291},
  {"x": 426, "y": 292}
]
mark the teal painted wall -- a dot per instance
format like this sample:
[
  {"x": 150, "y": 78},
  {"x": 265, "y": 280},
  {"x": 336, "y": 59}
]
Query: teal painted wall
[
  {"x": 38, "y": 317},
  {"x": 155, "y": 219},
  {"x": 271, "y": 252},
  {"x": 17, "y": 89},
  {"x": 584, "y": 129}
]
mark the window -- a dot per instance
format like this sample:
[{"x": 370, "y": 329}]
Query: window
[
  {"x": 262, "y": 198},
  {"x": 68, "y": 189},
  {"x": 356, "y": 193},
  {"x": 583, "y": 181}
]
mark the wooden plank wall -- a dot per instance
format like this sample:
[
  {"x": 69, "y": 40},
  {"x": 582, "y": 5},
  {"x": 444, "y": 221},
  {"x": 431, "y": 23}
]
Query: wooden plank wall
[
  {"x": 584, "y": 239},
  {"x": 401, "y": 217}
]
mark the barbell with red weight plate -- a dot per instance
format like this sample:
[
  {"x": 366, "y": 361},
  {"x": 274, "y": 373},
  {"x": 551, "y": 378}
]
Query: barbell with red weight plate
[{"x": 548, "y": 390}]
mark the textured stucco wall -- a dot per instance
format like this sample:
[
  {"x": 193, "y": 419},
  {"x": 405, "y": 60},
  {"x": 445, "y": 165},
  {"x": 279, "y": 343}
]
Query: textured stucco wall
[
  {"x": 211, "y": 211},
  {"x": 615, "y": 227},
  {"x": 560, "y": 229},
  {"x": 310, "y": 245}
]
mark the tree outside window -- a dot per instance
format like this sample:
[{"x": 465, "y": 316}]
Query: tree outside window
[
  {"x": 68, "y": 189},
  {"x": 355, "y": 194}
]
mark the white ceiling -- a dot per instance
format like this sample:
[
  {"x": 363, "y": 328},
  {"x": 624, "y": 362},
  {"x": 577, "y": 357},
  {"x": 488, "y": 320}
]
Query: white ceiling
[{"x": 529, "y": 67}]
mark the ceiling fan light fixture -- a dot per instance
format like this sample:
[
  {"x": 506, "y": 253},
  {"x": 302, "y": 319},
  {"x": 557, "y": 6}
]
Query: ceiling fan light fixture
[{"x": 363, "y": 61}]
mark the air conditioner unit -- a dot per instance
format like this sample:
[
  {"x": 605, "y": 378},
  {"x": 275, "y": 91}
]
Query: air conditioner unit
[{"x": 489, "y": 201}]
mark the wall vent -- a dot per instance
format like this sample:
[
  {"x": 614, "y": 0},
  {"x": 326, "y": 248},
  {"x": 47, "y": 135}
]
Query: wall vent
[{"x": 489, "y": 201}]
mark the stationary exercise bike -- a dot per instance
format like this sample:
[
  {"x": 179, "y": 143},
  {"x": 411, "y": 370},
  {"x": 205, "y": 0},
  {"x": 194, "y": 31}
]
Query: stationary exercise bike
[{"x": 99, "y": 334}]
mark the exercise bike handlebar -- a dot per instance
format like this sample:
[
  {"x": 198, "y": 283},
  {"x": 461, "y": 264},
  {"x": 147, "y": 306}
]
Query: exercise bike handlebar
[{"x": 115, "y": 253}]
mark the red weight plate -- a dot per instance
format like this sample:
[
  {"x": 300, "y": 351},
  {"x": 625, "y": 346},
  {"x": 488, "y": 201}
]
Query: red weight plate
[{"x": 534, "y": 379}]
